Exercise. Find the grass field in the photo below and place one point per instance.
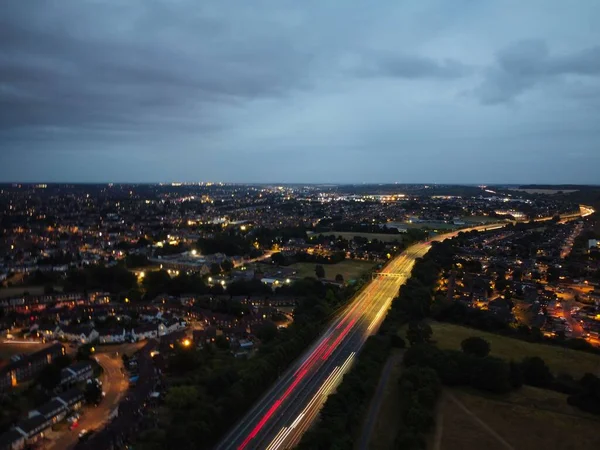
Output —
(560, 360)
(350, 269)
(530, 418)
(16, 291)
(384, 237)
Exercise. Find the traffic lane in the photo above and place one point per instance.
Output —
(294, 413)
(114, 384)
(302, 419)
(303, 410)
(297, 414)
(94, 417)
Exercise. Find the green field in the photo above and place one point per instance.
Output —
(350, 269)
(348, 235)
(526, 419)
(17, 291)
(560, 360)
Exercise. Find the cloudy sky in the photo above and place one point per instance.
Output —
(437, 91)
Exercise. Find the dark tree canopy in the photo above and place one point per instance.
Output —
(476, 346)
(319, 271)
(418, 332)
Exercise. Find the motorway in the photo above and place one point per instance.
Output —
(289, 408)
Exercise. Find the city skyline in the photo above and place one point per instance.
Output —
(281, 92)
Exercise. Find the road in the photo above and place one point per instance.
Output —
(114, 384)
(288, 409)
(263, 257)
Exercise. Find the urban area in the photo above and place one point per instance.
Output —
(211, 315)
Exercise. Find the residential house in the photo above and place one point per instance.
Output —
(80, 371)
(28, 367)
(53, 411)
(33, 429)
(83, 334)
(170, 326)
(144, 332)
(49, 331)
(72, 399)
(113, 336)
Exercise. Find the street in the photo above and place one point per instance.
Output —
(114, 384)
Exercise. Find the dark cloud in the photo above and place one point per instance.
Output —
(525, 64)
(412, 67)
(54, 74)
(156, 90)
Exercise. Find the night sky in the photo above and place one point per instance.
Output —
(460, 91)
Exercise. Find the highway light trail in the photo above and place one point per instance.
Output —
(313, 407)
(272, 410)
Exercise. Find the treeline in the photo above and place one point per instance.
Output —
(420, 389)
(113, 279)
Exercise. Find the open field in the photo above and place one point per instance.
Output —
(350, 269)
(384, 237)
(432, 226)
(16, 291)
(530, 418)
(560, 360)
(480, 219)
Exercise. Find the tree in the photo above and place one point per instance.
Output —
(536, 372)
(181, 397)
(49, 377)
(226, 265)
(516, 375)
(93, 392)
(397, 341)
(475, 346)
(215, 269)
(339, 278)
(419, 332)
(84, 352)
(319, 271)
(491, 374)
(222, 342)
(267, 332)
(278, 258)
(156, 282)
